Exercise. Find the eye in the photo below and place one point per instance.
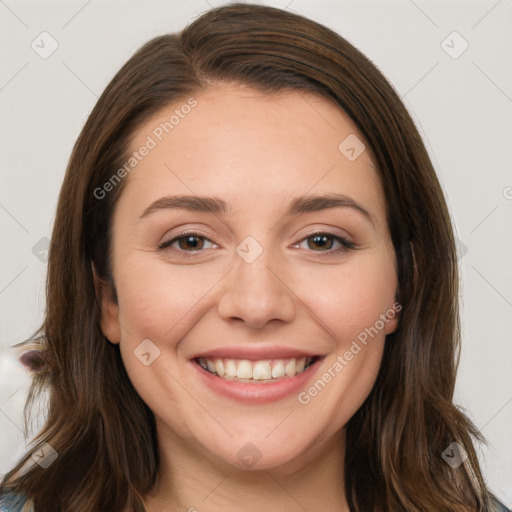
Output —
(326, 242)
(191, 242)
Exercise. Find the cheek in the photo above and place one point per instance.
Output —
(161, 301)
(350, 304)
(351, 299)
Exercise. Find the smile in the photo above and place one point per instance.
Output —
(245, 370)
(256, 380)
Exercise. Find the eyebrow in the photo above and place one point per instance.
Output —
(315, 203)
(192, 203)
(302, 204)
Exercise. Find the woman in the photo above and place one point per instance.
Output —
(252, 290)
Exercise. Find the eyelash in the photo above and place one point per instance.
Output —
(345, 244)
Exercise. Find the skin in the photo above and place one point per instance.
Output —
(257, 152)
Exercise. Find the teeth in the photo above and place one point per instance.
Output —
(278, 370)
(219, 367)
(261, 371)
(255, 370)
(244, 369)
(289, 369)
(300, 364)
(230, 367)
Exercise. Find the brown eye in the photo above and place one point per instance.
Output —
(321, 242)
(187, 243)
(191, 243)
(326, 242)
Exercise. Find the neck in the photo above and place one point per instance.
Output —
(191, 481)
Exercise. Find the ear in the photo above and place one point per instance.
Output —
(393, 312)
(392, 316)
(109, 310)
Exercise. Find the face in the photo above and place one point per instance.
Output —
(247, 243)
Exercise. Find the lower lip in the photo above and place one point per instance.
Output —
(258, 392)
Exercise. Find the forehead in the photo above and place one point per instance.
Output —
(241, 144)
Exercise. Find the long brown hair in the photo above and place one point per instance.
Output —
(103, 432)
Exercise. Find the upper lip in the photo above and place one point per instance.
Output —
(255, 352)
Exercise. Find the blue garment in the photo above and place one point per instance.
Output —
(501, 508)
(14, 503)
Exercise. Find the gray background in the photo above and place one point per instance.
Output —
(462, 103)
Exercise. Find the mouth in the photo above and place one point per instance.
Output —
(256, 371)
(256, 381)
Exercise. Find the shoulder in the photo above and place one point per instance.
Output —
(12, 502)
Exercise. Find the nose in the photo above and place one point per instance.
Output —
(256, 294)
